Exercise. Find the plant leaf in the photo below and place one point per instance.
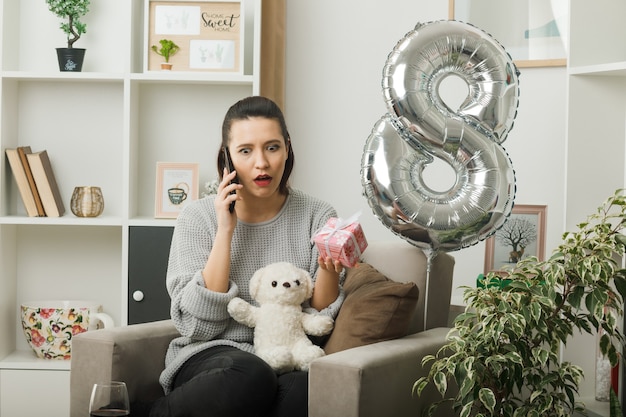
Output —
(419, 386)
(620, 284)
(488, 399)
(466, 410)
(440, 382)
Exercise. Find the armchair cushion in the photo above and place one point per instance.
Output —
(375, 309)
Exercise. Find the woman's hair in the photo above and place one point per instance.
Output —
(256, 106)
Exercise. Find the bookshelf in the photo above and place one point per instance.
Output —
(596, 132)
(106, 126)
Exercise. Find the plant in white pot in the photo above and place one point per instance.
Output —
(70, 11)
(503, 353)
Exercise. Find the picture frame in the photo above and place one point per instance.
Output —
(176, 186)
(210, 34)
(533, 32)
(521, 236)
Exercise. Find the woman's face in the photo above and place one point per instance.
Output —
(258, 152)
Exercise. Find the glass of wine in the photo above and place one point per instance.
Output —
(109, 399)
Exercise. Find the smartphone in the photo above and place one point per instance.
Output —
(228, 163)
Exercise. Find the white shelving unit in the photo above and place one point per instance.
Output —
(106, 126)
(596, 149)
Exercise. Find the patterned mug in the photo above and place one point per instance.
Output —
(49, 326)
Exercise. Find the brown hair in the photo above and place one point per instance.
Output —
(257, 106)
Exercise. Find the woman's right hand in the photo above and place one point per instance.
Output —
(217, 268)
(226, 194)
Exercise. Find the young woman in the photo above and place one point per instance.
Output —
(211, 369)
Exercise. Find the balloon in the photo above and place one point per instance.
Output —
(420, 127)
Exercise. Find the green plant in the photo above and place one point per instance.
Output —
(168, 48)
(503, 352)
(72, 10)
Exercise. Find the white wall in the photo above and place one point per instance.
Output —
(335, 54)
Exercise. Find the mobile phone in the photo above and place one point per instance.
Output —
(228, 163)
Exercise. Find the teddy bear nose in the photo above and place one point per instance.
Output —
(286, 285)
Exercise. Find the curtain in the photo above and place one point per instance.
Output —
(273, 50)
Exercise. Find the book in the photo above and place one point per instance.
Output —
(21, 179)
(22, 151)
(46, 183)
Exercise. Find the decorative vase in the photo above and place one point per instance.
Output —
(70, 59)
(603, 369)
(87, 201)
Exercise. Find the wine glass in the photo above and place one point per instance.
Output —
(109, 399)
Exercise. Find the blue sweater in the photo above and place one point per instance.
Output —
(200, 315)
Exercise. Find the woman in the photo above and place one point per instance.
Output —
(211, 369)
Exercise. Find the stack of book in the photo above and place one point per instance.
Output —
(36, 182)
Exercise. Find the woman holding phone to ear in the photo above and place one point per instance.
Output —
(211, 369)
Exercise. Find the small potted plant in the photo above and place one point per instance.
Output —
(70, 58)
(167, 49)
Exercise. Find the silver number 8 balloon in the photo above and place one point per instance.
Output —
(419, 127)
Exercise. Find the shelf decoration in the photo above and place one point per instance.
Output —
(87, 201)
(167, 48)
(25, 180)
(71, 11)
(46, 183)
(176, 186)
(532, 31)
(50, 325)
(209, 33)
(36, 182)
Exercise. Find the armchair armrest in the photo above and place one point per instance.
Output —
(134, 354)
(375, 380)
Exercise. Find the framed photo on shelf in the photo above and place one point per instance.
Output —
(176, 186)
(533, 32)
(521, 236)
(210, 34)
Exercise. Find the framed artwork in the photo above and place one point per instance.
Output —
(209, 34)
(533, 32)
(521, 236)
(176, 186)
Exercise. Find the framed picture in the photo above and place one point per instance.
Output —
(176, 186)
(209, 34)
(521, 236)
(533, 32)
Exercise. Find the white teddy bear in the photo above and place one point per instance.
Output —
(279, 322)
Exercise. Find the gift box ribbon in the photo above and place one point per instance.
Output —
(340, 224)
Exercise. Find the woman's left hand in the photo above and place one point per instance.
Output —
(327, 283)
(328, 264)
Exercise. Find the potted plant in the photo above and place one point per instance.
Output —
(70, 58)
(503, 352)
(167, 49)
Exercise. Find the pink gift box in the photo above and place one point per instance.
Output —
(341, 241)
